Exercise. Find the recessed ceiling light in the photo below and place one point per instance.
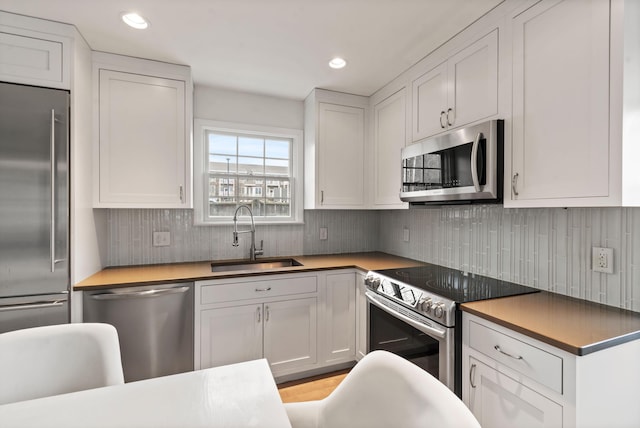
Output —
(134, 20)
(337, 63)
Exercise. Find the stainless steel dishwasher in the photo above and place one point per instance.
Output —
(154, 323)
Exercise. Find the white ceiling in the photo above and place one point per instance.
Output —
(274, 47)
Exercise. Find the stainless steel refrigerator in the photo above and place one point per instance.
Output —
(34, 206)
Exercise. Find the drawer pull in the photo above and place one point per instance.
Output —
(263, 289)
(497, 348)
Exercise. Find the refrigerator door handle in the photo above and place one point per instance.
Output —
(52, 237)
(36, 305)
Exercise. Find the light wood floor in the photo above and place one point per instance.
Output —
(314, 388)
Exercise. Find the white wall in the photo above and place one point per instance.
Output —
(242, 107)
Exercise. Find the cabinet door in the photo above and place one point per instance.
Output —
(290, 334)
(389, 136)
(361, 318)
(473, 82)
(230, 335)
(32, 60)
(498, 401)
(429, 94)
(340, 155)
(143, 148)
(340, 318)
(561, 102)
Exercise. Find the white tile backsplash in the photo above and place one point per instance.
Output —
(546, 248)
(131, 233)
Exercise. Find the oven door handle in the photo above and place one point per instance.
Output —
(431, 331)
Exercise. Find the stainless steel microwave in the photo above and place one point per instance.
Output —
(461, 166)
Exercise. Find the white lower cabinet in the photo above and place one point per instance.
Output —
(339, 318)
(500, 401)
(230, 335)
(273, 317)
(290, 341)
(513, 380)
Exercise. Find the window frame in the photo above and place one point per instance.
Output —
(201, 173)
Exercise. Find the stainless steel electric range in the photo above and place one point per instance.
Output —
(414, 312)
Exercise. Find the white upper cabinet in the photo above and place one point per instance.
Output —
(335, 136)
(389, 137)
(461, 90)
(560, 145)
(575, 101)
(143, 137)
(35, 52)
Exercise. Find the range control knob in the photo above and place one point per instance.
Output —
(425, 305)
(372, 281)
(438, 310)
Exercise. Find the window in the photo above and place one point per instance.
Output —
(247, 165)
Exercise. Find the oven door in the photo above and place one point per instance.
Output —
(425, 343)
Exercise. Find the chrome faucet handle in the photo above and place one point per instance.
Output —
(235, 239)
(259, 251)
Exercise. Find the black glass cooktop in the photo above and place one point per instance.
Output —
(456, 285)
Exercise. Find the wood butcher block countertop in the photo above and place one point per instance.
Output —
(195, 271)
(577, 326)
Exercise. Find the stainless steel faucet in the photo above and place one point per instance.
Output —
(253, 252)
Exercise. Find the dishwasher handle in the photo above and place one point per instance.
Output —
(145, 293)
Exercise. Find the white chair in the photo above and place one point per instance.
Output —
(43, 361)
(384, 390)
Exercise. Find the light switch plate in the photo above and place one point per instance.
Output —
(602, 260)
(161, 239)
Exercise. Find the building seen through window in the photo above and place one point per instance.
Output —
(251, 170)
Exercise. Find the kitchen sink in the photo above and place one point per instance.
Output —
(253, 265)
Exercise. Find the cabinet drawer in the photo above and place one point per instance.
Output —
(260, 289)
(538, 365)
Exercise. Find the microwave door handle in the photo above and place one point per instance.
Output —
(474, 162)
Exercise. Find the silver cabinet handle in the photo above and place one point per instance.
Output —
(36, 305)
(263, 289)
(450, 122)
(258, 314)
(474, 161)
(266, 313)
(52, 237)
(322, 197)
(472, 375)
(497, 348)
(442, 125)
(514, 183)
(145, 293)
(181, 194)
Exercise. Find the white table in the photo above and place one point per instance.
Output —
(233, 396)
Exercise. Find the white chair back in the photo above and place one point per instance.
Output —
(43, 361)
(384, 390)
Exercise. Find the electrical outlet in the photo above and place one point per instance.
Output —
(324, 233)
(602, 260)
(161, 239)
(405, 234)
